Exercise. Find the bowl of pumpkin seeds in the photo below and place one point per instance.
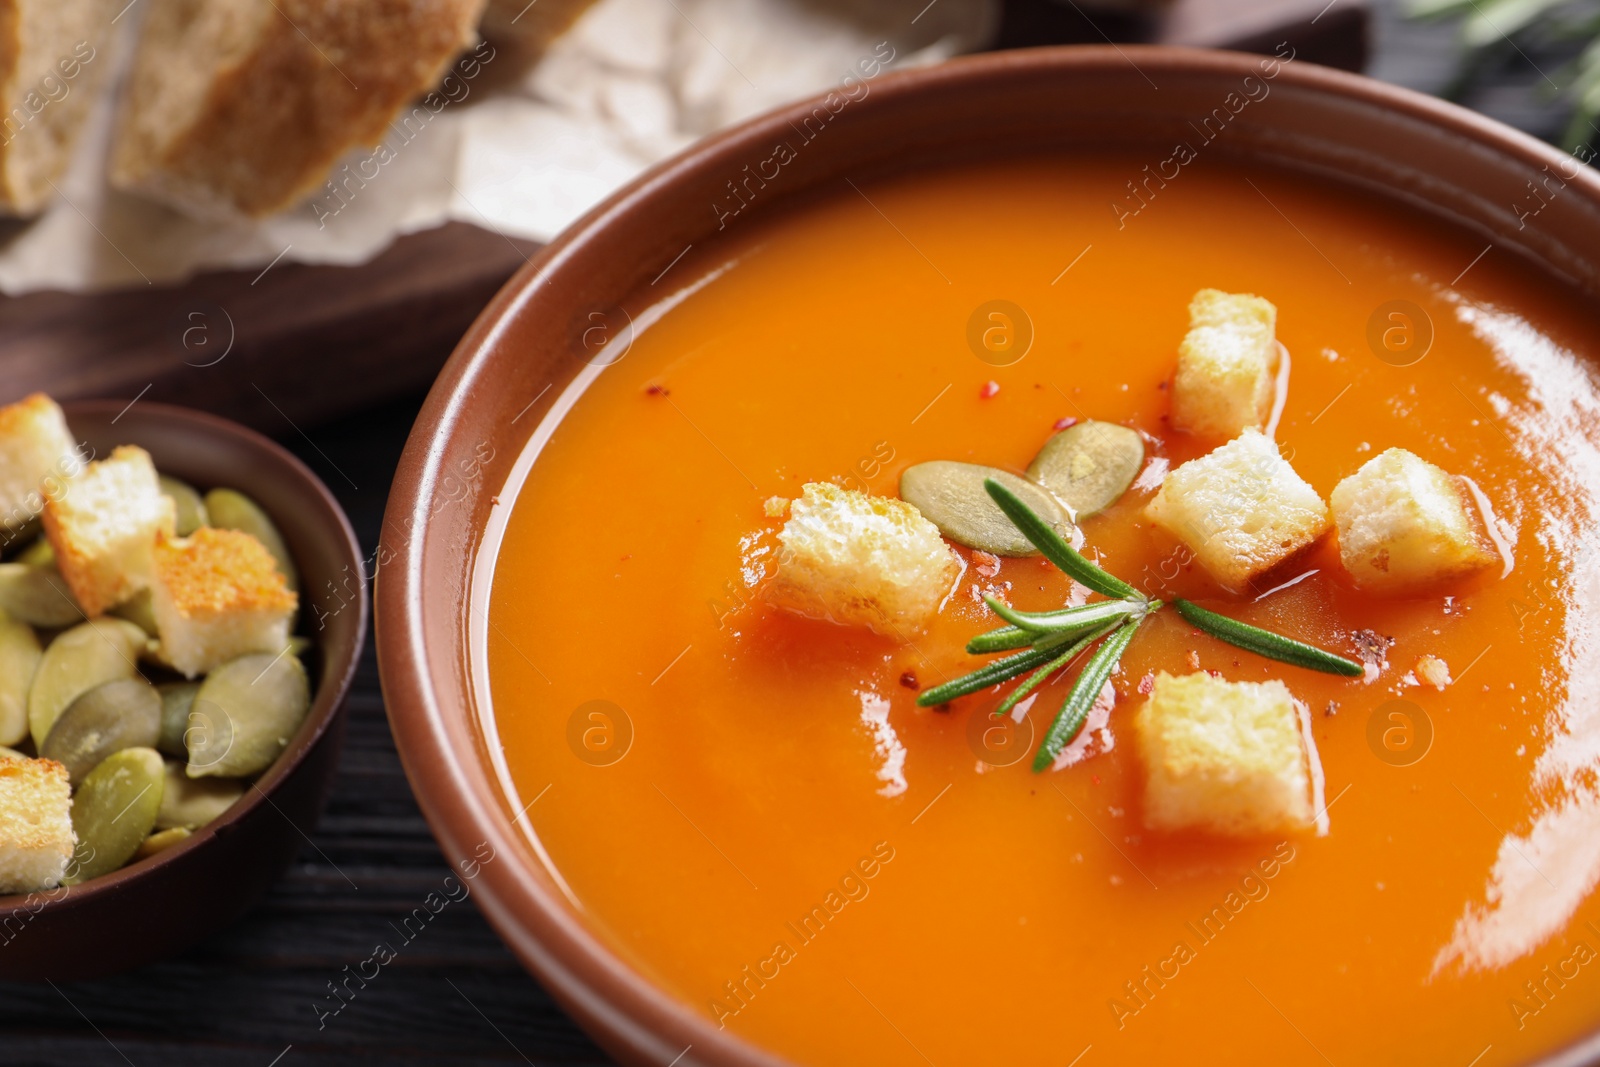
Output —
(182, 606)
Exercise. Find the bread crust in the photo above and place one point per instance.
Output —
(320, 78)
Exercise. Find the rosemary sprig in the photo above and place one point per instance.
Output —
(1037, 677)
(1052, 639)
(1083, 618)
(1055, 548)
(994, 673)
(1075, 709)
(1266, 643)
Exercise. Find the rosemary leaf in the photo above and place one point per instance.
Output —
(1075, 709)
(1001, 639)
(993, 673)
(1082, 618)
(1266, 643)
(1055, 549)
(1037, 678)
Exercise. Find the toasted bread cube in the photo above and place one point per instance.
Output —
(1404, 523)
(217, 595)
(1242, 509)
(1227, 365)
(861, 560)
(1228, 758)
(36, 836)
(35, 446)
(103, 525)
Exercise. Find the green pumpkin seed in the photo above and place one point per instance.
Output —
(122, 714)
(39, 553)
(176, 700)
(186, 501)
(952, 497)
(193, 802)
(138, 610)
(11, 753)
(88, 655)
(245, 713)
(232, 510)
(37, 596)
(1089, 466)
(113, 812)
(162, 840)
(19, 660)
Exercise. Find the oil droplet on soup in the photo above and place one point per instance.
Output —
(792, 848)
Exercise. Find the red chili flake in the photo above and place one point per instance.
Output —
(1214, 674)
(1162, 385)
(1332, 708)
(909, 680)
(1095, 778)
(1147, 684)
(1062, 424)
(627, 557)
(659, 390)
(943, 709)
(985, 563)
(990, 388)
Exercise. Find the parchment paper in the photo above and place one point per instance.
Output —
(522, 150)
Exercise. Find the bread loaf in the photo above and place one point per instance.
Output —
(52, 63)
(240, 107)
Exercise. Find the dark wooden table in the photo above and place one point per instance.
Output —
(255, 995)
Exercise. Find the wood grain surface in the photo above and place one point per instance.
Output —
(258, 994)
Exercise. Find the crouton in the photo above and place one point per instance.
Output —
(35, 445)
(1242, 509)
(1431, 670)
(1404, 523)
(103, 525)
(861, 560)
(1227, 365)
(217, 595)
(36, 837)
(1228, 758)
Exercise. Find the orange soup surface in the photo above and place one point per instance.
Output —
(753, 811)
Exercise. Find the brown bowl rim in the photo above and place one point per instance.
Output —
(332, 689)
(628, 1015)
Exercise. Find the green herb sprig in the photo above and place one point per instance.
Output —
(1051, 640)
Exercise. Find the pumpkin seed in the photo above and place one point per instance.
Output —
(951, 496)
(193, 802)
(122, 714)
(162, 840)
(113, 812)
(19, 659)
(90, 654)
(139, 610)
(176, 700)
(39, 553)
(11, 753)
(1089, 466)
(38, 596)
(230, 509)
(186, 501)
(245, 713)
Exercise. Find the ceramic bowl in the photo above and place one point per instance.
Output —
(159, 906)
(512, 367)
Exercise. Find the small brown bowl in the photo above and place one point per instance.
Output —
(159, 906)
(512, 368)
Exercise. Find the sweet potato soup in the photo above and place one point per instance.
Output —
(753, 809)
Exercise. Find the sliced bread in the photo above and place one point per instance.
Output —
(240, 108)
